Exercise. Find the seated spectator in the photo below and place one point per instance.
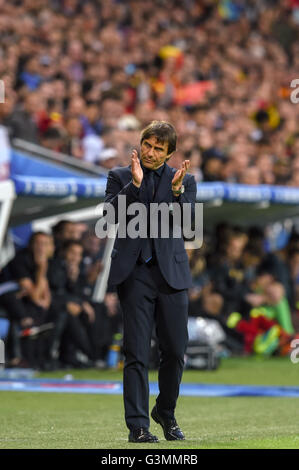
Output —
(92, 256)
(269, 296)
(65, 230)
(88, 328)
(228, 275)
(32, 304)
(251, 258)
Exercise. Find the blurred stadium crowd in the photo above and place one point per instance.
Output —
(55, 276)
(83, 77)
(250, 292)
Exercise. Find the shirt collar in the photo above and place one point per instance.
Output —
(158, 172)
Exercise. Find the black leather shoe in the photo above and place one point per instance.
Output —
(142, 435)
(171, 430)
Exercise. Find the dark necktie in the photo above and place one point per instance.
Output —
(147, 243)
(150, 183)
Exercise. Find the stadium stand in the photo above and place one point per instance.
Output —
(82, 78)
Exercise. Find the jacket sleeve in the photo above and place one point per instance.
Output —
(188, 197)
(114, 188)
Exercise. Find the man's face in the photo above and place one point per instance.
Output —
(32, 103)
(264, 280)
(153, 153)
(92, 244)
(70, 232)
(235, 248)
(74, 255)
(43, 246)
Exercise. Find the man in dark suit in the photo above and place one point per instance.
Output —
(152, 277)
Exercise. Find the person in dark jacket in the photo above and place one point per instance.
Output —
(88, 327)
(152, 278)
(32, 304)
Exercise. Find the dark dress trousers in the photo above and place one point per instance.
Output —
(152, 293)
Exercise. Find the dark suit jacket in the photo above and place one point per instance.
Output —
(171, 254)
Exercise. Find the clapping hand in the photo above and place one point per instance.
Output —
(137, 172)
(179, 176)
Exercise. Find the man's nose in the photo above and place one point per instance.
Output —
(150, 153)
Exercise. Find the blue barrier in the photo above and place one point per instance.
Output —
(4, 326)
(95, 188)
(33, 177)
(115, 388)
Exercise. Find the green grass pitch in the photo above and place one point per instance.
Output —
(79, 421)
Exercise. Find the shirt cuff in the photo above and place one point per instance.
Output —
(176, 198)
(133, 189)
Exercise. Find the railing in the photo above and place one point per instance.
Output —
(57, 157)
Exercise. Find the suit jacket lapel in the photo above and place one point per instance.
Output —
(163, 192)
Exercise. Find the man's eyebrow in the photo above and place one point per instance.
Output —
(155, 146)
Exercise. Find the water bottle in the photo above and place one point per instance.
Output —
(113, 355)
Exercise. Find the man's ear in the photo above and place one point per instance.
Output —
(169, 156)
